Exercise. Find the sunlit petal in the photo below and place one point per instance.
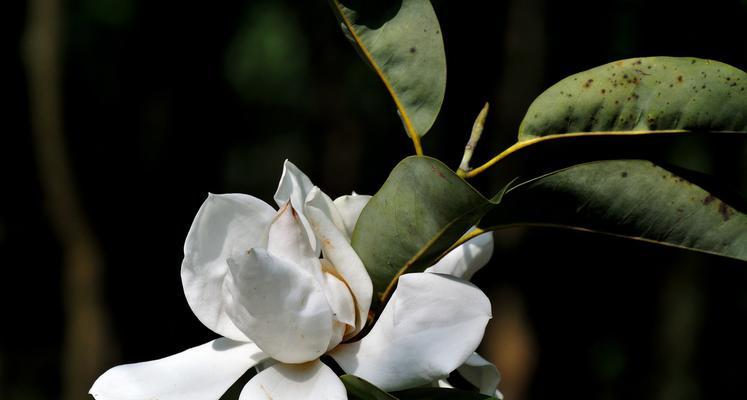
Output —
(294, 186)
(430, 326)
(350, 208)
(225, 225)
(319, 200)
(201, 373)
(280, 306)
(340, 254)
(312, 381)
(466, 259)
(289, 242)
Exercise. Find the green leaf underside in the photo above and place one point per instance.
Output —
(642, 94)
(360, 389)
(419, 212)
(402, 42)
(553, 153)
(629, 198)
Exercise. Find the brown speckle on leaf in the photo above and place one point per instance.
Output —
(709, 199)
(725, 211)
(438, 172)
(588, 83)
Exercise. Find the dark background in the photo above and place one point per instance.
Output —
(164, 101)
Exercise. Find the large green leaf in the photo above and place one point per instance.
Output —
(402, 42)
(636, 108)
(642, 94)
(419, 212)
(630, 198)
(439, 394)
(360, 389)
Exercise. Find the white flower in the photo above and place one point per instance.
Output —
(463, 262)
(285, 287)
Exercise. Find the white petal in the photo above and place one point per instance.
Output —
(201, 373)
(466, 259)
(289, 242)
(225, 225)
(280, 306)
(339, 297)
(340, 254)
(313, 381)
(319, 200)
(350, 208)
(294, 186)
(430, 326)
(481, 373)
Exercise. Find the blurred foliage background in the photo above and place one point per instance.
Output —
(155, 103)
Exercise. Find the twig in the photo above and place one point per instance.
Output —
(474, 137)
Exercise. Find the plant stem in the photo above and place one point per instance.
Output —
(416, 142)
(563, 136)
(474, 137)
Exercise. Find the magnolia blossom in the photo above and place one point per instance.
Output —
(284, 287)
(463, 262)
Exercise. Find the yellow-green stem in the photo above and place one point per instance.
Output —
(526, 143)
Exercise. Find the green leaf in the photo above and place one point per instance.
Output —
(632, 109)
(642, 94)
(360, 389)
(401, 40)
(419, 212)
(629, 198)
(439, 394)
